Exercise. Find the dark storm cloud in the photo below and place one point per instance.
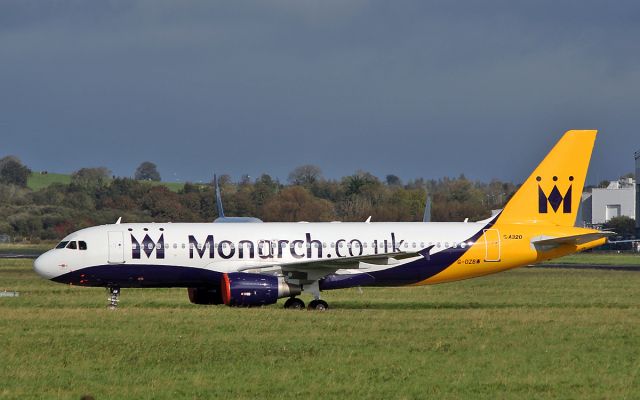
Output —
(415, 88)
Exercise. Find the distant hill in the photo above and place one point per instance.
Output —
(39, 180)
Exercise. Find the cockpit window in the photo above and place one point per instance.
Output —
(72, 246)
(82, 245)
(62, 245)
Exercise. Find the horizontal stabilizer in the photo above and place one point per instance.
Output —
(624, 241)
(575, 240)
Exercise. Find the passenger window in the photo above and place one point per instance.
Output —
(62, 245)
(82, 245)
(72, 246)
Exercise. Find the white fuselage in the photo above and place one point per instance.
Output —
(248, 246)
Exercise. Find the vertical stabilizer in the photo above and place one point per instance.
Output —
(427, 210)
(551, 195)
(218, 197)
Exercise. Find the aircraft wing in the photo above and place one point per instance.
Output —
(571, 240)
(339, 263)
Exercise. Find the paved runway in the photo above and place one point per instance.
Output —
(12, 255)
(632, 268)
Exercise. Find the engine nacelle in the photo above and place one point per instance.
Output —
(244, 289)
(204, 295)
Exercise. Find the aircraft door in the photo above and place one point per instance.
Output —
(492, 245)
(116, 247)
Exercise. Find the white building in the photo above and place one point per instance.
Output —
(616, 200)
(637, 157)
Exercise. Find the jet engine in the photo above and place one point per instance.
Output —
(205, 295)
(245, 289)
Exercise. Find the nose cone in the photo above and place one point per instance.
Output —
(44, 265)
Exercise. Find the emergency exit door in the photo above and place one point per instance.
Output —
(492, 245)
(116, 247)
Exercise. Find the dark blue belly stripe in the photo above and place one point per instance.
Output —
(405, 274)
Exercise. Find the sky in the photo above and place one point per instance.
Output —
(412, 88)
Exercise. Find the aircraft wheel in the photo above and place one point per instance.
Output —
(318, 305)
(294, 303)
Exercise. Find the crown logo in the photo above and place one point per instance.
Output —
(555, 198)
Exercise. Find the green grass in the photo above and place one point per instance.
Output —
(599, 259)
(528, 333)
(37, 181)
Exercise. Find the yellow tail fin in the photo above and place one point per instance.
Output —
(551, 195)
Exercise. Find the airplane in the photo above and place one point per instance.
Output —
(257, 263)
(221, 217)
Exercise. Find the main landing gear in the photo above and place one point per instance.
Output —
(319, 305)
(114, 297)
(295, 303)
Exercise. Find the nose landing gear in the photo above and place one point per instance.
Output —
(114, 294)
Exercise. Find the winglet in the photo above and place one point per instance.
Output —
(118, 221)
(426, 252)
(368, 220)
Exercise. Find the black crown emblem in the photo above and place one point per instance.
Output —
(148, 246)
(555, 198)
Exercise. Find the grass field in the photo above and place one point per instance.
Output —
(528, 333)
(37, 181)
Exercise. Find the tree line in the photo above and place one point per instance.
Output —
(96, 197)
